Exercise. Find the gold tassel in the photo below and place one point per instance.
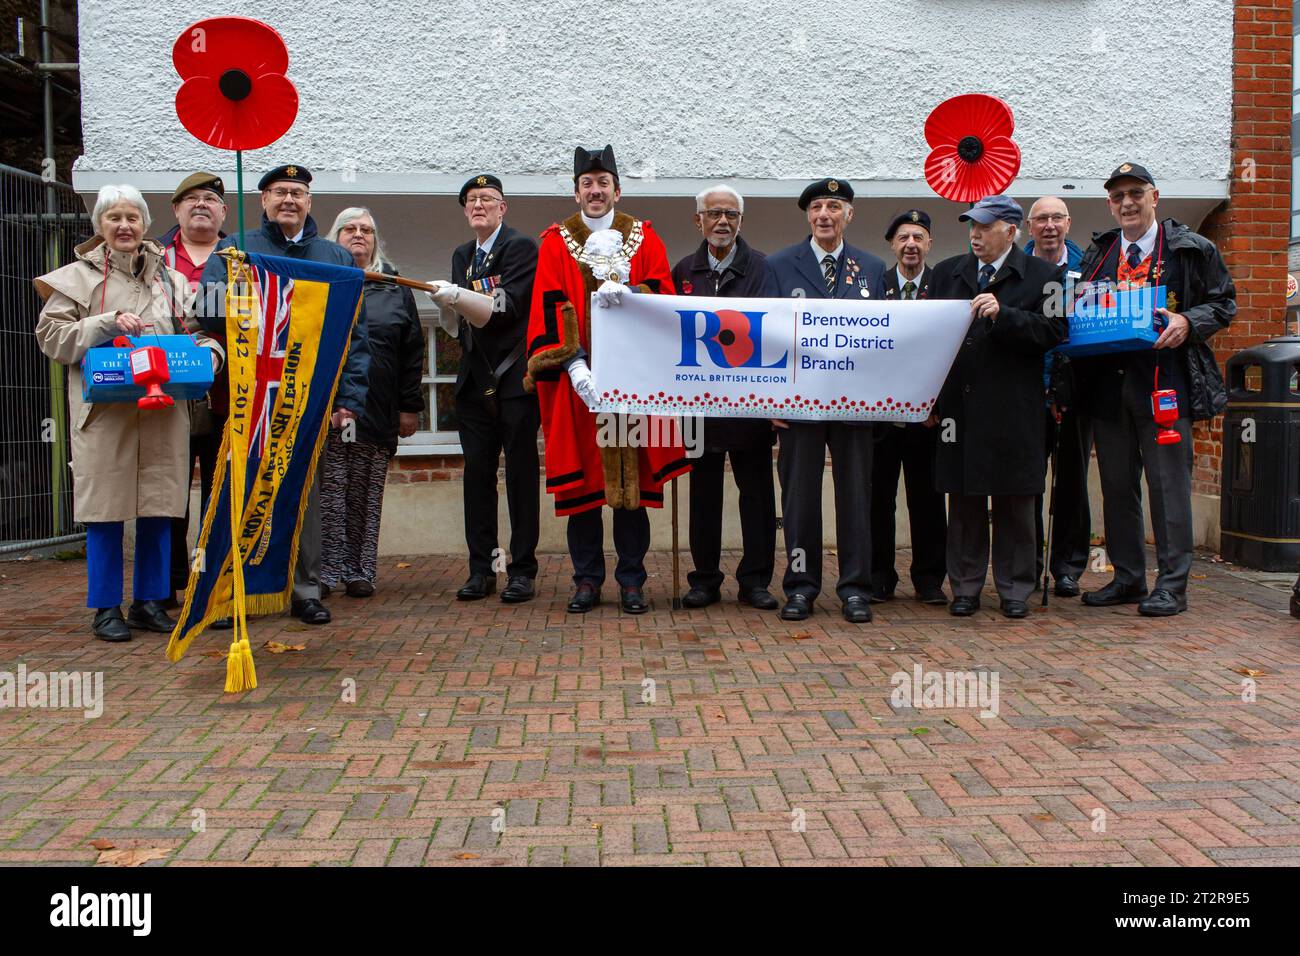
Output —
(234, 673)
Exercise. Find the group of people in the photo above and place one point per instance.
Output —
(520, 311)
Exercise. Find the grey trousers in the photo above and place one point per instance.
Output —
(306, 570)
(800, 463)
(1015, 545)
(1125, 449)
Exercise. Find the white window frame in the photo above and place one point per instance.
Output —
(432, 442)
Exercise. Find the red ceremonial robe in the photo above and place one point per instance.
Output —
(579, 473)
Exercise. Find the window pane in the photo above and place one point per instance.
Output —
(448, 361)
(446, 398)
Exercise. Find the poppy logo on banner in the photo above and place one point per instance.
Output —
(731, 339)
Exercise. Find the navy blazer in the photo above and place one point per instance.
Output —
(796, 268)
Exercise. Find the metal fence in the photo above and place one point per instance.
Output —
(40, 223)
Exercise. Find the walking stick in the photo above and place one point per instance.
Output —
(677, 569)
(1051, 505)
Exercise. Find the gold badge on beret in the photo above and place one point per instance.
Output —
(916, 216)
(291, 170)
(833, 186)
(481, 181)
(1127, 167)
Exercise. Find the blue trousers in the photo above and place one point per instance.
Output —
(104, 561)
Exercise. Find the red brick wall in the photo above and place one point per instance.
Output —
(407, 469)
(1253, 227)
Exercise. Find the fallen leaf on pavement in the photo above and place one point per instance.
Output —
(275, 647)
(1044, 817)
(950, 722)
(215, 655)
(102, 844)
(1248, 672)
(406, 564)
(802, 636)
(132, 856)
(920, 730)
(465, 856)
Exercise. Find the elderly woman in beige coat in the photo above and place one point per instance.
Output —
(128, 464)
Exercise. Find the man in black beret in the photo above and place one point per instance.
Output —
(908, 448)
(289, 230)
(485, 306)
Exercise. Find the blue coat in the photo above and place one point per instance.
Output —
(210, 306)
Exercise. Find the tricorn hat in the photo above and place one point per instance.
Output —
(585, 161)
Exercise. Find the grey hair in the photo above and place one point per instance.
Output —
(719, 188)
(111, 195)
(378, 258)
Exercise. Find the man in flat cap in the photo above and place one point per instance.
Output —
(990, 409)
(908, 447)
(289, 230)
(485, 307)
(1115, 389)
(199, 205)
(824, 266)
(596, 250)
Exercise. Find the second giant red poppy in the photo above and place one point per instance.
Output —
(971, 152)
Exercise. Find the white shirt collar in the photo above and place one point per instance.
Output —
(491, 240)
(298, 238)
(904, 280)
(997, 263)
(717, 265)
(595, 225)
(820, 254)
(1145, 244)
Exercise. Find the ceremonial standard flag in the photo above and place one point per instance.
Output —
(288, 324)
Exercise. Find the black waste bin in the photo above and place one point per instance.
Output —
(1259, 511)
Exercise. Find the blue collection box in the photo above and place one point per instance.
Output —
(1109, 320)
(106, 370)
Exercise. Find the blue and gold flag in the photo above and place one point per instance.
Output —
(288, 325)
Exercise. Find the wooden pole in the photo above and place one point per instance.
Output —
(400, 280)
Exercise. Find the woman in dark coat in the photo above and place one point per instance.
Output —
(356, 458)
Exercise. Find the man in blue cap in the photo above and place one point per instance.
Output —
(989, 413)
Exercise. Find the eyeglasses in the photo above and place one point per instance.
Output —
(279, 192)
(713, 215)
(193, 200)
(1135, 193)
(1055, 218)
(354, 227)
(485, 201)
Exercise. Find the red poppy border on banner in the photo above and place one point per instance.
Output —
(843, 407)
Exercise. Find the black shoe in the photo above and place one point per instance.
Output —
(173, 603)
(931, 594)
(1066, 586)
(109, 626)
(857, 610)
(1014, 608)
(149, 616)
(585, 598)
(326, 590)
(1161, 603)
(797, 608)
(880, 595)
(1295, 603)
(310, 611)
(1115, 593)
(223, 624)
(518, 590)
(632, 601)
(964, 606)
(759, 598)
(360, 588)
(698, 597)
(477, 588)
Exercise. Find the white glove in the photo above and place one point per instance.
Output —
(442, 296)
(611, 293)
(580, 376)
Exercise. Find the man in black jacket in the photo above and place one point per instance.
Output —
(726, 265)
(990, 409)
(486, 307)
(1115, 390)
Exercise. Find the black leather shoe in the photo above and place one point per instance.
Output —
(223, 624)
(880, 596)
(149, 616)
(1115, 593)
(1295, 603)
(360, 588)
(584, 598)
(1066, 586)
(173, 603)
(759, 598)
(698, 597)
(857, 610)
(1014, 608)
(310, 611)
(109, 626)
(1161, 603)
(931, 594)
(325, 590)
(797, 608)
(632, 601)
(477, 588)
(518, 590)
(964, 606)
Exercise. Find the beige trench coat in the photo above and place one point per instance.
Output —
(126, 462)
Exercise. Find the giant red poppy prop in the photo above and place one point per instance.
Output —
(235, 94)
(971, 152)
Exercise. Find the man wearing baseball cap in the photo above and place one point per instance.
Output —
(1115, 390)
(990, 409)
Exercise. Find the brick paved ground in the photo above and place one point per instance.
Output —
(467, 709)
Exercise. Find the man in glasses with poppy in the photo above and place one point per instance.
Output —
(289, 230)
(485, 306)
(726, 265)
(1116, 389)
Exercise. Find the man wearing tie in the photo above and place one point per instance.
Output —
(908, 448)
(824, 266)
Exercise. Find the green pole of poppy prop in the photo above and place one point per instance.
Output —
(234, 94)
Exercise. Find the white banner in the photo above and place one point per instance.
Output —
(878, 360)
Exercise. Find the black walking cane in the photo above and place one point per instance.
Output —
(1051, 504)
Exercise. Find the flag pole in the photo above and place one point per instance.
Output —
(239, 195)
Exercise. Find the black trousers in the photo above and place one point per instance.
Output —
(483, 438)
(751, 468)
(631, 542)
(205, 448)
(910, 449)
(801, 462)
(1072, 531)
